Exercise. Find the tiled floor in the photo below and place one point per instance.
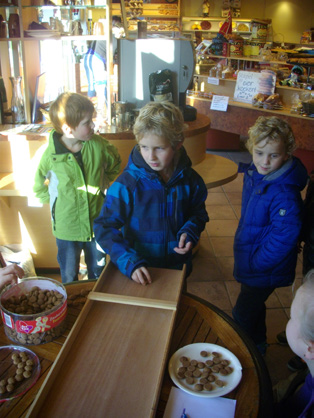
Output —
(212, 277)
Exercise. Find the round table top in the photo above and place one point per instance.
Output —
(216, 170)
(196, 321)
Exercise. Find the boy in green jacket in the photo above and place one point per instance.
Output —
(74, 171)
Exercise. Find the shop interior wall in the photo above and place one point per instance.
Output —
(289, 18)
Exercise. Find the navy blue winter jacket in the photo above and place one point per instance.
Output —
(143, 218)
(265, 244)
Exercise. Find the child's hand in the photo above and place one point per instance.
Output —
(141, 276)
(183, 247)
(9, 274)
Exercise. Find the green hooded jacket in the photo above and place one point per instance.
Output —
(75, 197)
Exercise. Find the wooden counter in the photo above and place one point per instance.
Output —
(239, 117)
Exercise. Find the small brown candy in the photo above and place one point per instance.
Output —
(210, 363)
(190, 380)
(201, 365)
(229, 369)
(215, 369)
(186, 364)
(194, 362)
(191, 368)
(181, 375)
(197, 373)
(198, 387)
(220, 383)
(215, 354)
(204, 353)
(211, 378)
(203, 380)
(217, 360)
(223, 372)
(183, 359)
(225, 362)
(208, 386)
(188, 374)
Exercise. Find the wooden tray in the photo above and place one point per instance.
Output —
(114, 358)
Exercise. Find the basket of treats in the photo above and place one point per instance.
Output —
(34, 311)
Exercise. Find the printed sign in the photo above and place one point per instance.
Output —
(219, 103)
(250, 83)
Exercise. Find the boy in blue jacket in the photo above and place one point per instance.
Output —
(154, 212)
(266, 240)
(74, 170)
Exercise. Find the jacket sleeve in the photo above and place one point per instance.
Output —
(108, 229)
(40, 187)
(113, 161)
(198, 215)
(281, 238)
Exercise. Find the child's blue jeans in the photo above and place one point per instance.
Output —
(250, 311)
(69, 253)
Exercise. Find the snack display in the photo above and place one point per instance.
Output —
(242, 27)
(205, 370)
(273, 102)
(19, 371)
(205, 25)
(34, 311)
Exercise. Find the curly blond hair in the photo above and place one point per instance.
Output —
(160, 118)
(271, 129)
(69, 108)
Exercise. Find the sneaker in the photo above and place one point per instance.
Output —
(296, 364)
(281, 338)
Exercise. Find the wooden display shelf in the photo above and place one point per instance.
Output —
(284, 111)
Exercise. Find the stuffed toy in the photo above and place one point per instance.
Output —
(294, 78)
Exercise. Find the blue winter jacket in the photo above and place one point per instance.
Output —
(142, 217)
(265, 244)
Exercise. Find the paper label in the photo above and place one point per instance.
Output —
(40, 324)
(219, 103)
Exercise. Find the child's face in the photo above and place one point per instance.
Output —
(269, 156)
(296, 342)
(85, 129)
(157, 152)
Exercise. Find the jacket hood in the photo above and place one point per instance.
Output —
(136, 162)
(292, 173)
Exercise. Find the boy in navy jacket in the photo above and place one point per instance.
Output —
(154, 212)
(266, 241)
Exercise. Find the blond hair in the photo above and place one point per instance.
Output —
(163, 119)
(71, 109)
(271, 129)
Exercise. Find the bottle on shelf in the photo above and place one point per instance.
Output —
(17, 102)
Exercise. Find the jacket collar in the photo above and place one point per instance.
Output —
(182, 162)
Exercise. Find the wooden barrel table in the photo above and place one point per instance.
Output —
(196, 321)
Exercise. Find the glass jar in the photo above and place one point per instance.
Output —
(17, 102)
